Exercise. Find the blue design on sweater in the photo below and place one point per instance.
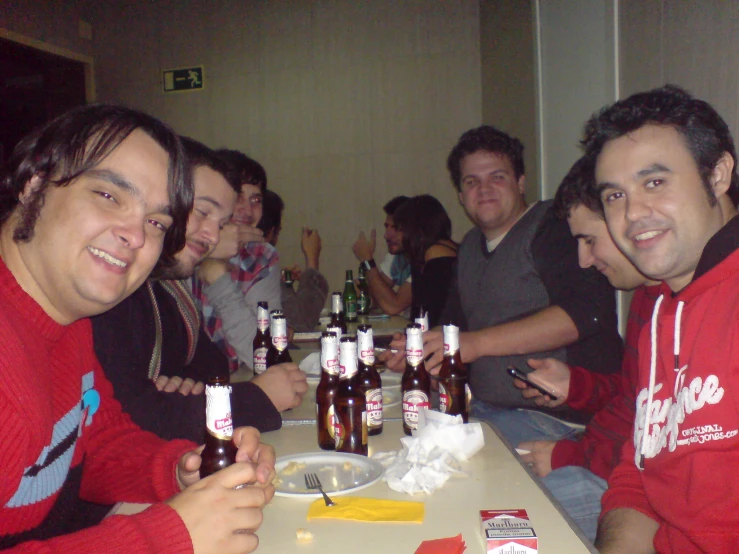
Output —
(48, 474)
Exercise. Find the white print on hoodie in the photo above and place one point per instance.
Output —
(667, 415)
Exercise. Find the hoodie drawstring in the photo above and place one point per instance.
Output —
(653, 368)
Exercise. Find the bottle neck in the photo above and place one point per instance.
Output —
(218, 411)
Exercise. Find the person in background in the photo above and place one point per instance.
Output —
(243, 270)
(519, 294)
(428, 246)
(390, 282)
(302, 307)
(90, 203)
(153, 348)
(575, 470)
(664, 164)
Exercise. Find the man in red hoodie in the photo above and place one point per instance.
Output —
(89, 204)
(575, 471)
(665, 162)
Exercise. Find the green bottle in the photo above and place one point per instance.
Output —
(364, 300)
(350, 297)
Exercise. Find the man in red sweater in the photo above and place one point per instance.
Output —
(665, 168)
(89, 204)
(575, 471)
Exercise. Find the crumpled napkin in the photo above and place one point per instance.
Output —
(451, 545)
(311, 364)
(368, 509)
(432, 454)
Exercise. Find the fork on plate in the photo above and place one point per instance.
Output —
(313, 482)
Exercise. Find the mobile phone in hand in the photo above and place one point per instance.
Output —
(518, 374)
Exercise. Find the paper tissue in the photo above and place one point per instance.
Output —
(432, 454)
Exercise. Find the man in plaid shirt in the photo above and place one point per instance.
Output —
(243, 270)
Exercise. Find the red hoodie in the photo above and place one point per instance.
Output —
(689, 483)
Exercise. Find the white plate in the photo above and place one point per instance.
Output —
(391, 396)
(339, 473)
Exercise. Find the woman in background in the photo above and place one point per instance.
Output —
(428, 246)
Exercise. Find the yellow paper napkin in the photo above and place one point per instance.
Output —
(368, 509)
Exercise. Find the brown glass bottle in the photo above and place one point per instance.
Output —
(326, 391)
(350, 403)
(416, 383)
(369, 379)
(219, 451)
(350, 298)
(262, 339)
(337, 312)
(454, 392)
(278, 353)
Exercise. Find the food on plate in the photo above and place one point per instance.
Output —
(292, 468)
(303, 535)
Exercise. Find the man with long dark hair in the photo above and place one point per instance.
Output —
(88, 205)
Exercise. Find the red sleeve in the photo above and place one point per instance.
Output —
(124, 463)
(589, 391)
(157, 529)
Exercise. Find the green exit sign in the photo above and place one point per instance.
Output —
(176, 80)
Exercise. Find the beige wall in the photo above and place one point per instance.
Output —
(508, 68)
(347, 104)
(692, 44)
(54, 22)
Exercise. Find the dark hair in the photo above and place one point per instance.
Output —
(392, 206)
(272, 207)
(77, 141)
(578, 188)
(244, 169)
(706, 134)
(423, 222)
(484, 139)
(199, 155)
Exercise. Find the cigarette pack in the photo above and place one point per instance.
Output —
(508, 532)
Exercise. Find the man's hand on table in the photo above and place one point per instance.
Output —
(539, 458)
(552, 375)
(284, 384)
(213, 510)
(177, 384)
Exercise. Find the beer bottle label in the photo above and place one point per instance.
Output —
(413, 401)
(330, 355)
(260, 360)
(218, 411)
(262, 319)
(348, 359)
(365, 346)
(339, 434)
(279, 334)
(423, 321)
(374, 408)
(445, 399)
(451, 339)
(414, 347)
(467, 397)
(351, 309)
(332, 423)
(336, 303)
(362, 302)
(365, 432)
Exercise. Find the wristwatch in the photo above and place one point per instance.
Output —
(368, 264)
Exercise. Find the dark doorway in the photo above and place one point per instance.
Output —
(35, 87)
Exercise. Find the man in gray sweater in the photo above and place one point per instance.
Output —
(519, 292)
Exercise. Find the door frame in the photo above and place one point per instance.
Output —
(87, 61)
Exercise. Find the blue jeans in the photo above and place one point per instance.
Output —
(519, 426)
(579, 491)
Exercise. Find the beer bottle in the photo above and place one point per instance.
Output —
(262, 339)
(369, 379)
(326, 390)
(364, 300)
(277, 353)
(415, 384)
(219, 451)
(350, 298)
(422, 318)
(350, 404)
(287, 278)
(337, 312)
(454, 392)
